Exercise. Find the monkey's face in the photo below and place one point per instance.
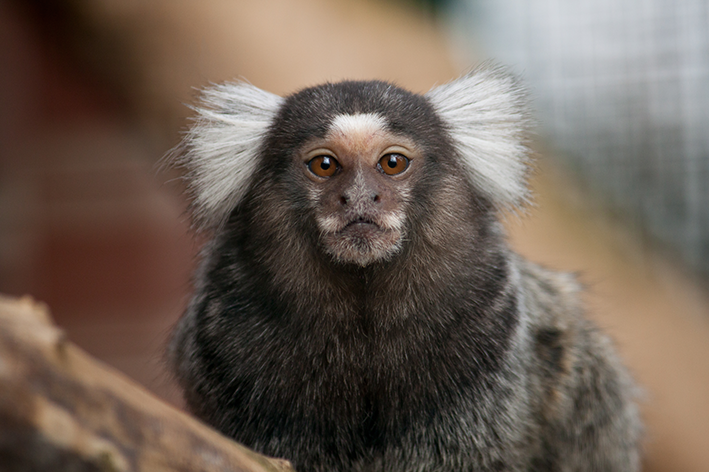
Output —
(359, 178)
(360, 168)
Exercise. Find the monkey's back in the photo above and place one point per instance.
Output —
(587, 411)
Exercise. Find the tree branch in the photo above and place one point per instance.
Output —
(62, 410)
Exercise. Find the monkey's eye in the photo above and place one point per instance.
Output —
(323, 166)
(394, 163)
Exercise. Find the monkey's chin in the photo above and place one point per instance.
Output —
(362, 244)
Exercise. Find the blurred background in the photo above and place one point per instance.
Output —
(93, 94)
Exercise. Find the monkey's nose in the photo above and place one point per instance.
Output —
(368, 197)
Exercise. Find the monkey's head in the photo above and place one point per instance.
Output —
(349, 163)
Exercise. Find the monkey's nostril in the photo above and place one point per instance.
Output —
(343, 200)
(375, 198)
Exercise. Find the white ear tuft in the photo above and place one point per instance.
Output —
(220, 151)
(487, 117)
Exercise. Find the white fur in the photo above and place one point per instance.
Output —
(222, 147)
(330, 223)
(357, 124)
(486, 114)
(393, 220)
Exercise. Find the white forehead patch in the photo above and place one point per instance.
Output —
(357, 124)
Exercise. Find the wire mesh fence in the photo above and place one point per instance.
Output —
(622, 90)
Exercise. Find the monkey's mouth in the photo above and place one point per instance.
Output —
(363, 223)
(361, 239)
(362, 229)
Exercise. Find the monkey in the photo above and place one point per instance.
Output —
(357, 306)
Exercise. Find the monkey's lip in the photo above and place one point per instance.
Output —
(361, 222)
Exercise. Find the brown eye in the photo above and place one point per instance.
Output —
(323, 166)
(393, 164)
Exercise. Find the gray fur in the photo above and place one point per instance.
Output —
(444, 351)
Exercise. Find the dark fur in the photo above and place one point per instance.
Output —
(452, 355)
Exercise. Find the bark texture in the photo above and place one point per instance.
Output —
(62, 410)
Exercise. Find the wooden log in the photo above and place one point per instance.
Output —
(61, 410)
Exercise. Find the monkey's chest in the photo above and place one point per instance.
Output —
(363, 404)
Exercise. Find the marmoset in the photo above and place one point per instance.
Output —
(357, 307)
